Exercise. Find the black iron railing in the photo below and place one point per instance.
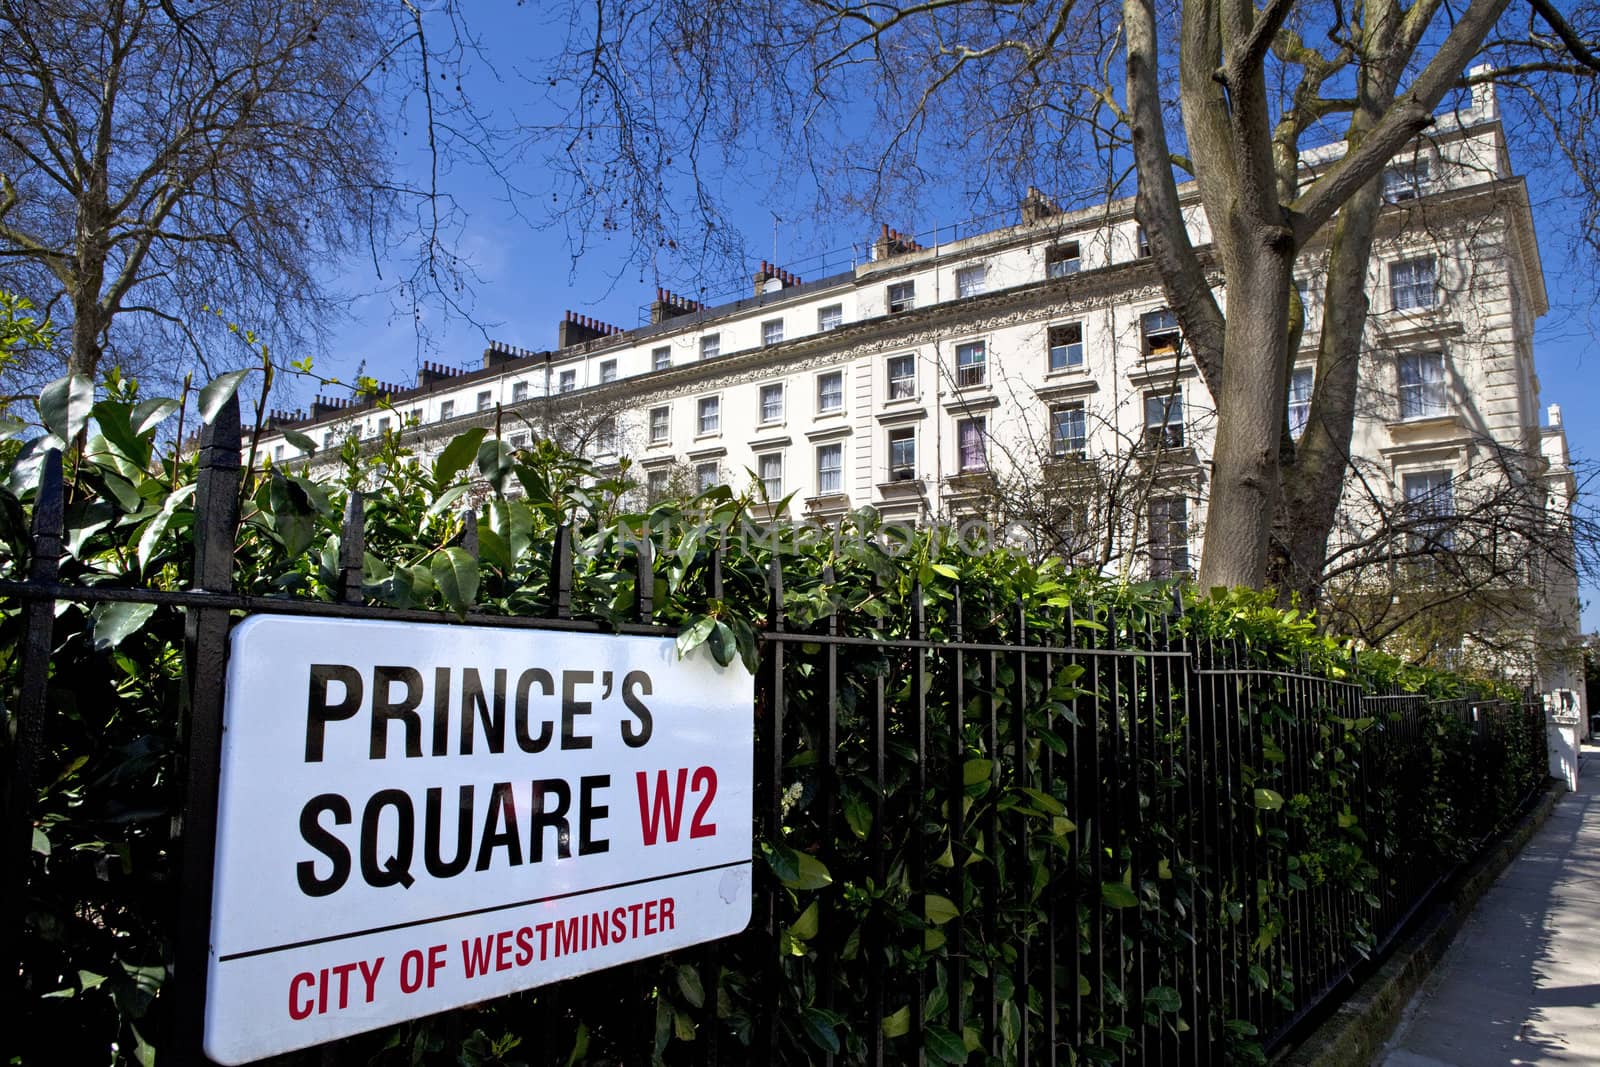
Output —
(1040, 841)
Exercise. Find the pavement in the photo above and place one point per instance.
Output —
(1520, 984)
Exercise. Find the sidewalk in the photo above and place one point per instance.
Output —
(1521, 982)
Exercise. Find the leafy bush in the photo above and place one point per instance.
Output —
(1085, 793)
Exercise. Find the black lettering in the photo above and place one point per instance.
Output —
(319, 712)
(571, 708)
(433, 829)
(633, 685)
(325, 842)
(385, 710)
(441, 711)
(547, 686)
(472, 696)
(396, 867)
(589, 811)
(502, 800)
(546, 817)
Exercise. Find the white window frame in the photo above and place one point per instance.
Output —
(661, 358)
(830, 317)
(447, 410)
(704, 406)
(1168, 555)
(1414, 283)
(1169, 432)
(1408, 180)
(1422, 385)
(822, 377)
(567, 381)
(519, 392)
(1300, 399)
(972, 373)
(665, 410)
(908, 436)
(972, 280)
(772, 486)
(980, 423)
(901, 296)
(1061, 445)
(608, 371)
(707, 467)
(1057, 262)
(832, 448)
(764, 417)
(901, 386)
(772, 332)
(1071, 351)
(711, 346)
(1429, 497)
(485, 399)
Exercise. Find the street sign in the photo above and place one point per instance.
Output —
(415, 817)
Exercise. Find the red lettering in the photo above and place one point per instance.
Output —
(475, 955)
(667, 922)
(435, 962)
(297, 1011)
(665, 808)
(524, 947)
(371, 977)
(502, 951)
(411, 971)
(322, 994)
(699, 827)
(633, 914)
(566, 936)
(649, 917)
(619, 929)
(544, 940)
(343, 971)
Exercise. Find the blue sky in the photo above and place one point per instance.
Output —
(527, 277)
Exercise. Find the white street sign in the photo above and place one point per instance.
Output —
(415, 817)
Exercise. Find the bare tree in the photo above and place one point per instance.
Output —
(157, 159)
(991, 94)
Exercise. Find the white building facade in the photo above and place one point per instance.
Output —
(1036, 356)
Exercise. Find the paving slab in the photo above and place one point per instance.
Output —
(1521, 982)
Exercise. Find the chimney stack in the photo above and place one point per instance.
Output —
(771, 278)
(1037, 206)
(576, 329)
(432, 373)
(892, 242)
(669, 305)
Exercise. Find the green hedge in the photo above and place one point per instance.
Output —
(99, 925)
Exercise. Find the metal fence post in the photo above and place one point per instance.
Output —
(205, 647)
(38, 624)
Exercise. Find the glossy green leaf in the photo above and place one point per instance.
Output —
(939, 910)
(1117, 895)
(64, 405)
(116, 621)
(805, 927)
(1268, 799)
(898, 1023)
(1164, 998)
(688, 979)
(217, 392)
(976, 770)
(455, 576)
(456, 457)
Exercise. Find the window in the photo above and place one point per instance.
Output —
(519, 392)
(772, 331)
(707, 476)
(711, 346)
(903, 453)
(1411, 284)
(1068, 430)
(660, 358)
(970, 364)
(1143, 240)
(608, 370)
(970, 441)
(519, 440)
(970, 281)
(655, 485)
(383, 426)
(327, 439)
(710, 412)
(902, 297)
(1169, 536)
(1406, 181)
(830, 318)
(830, 469)
(567, 382)
(277, 453)
(605, 435)
(830, 392)
(1430, 505)
(447, 409)
(415, 418)
(485, 400)
(1422, 385)
(1061, 260)
(1160, 332)
(769, 468)
(772, 403)
(902, 377)
(1299, 401)
(660, 424)
(1163, 420)
(1066, 346)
